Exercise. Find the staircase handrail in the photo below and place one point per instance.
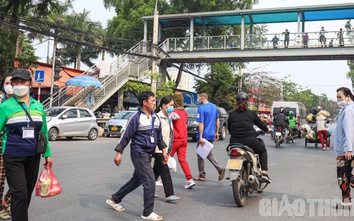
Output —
(61, 93)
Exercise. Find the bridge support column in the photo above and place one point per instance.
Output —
(242, 32)
(120, 99)
(191, 45)
(145, 37)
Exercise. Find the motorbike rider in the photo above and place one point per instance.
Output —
(280, 121)
(292, 123)
(240, 126)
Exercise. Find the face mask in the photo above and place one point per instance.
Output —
(20, 90)
(169, 109)
(198, 101)
(342, 103)
(8, 89)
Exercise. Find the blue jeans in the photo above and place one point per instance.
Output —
(143, 175)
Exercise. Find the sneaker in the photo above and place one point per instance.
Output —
(115, 206)
(323, 148)
(190, 184)
(158, 182)
(266, 178)
(328, 148)
(347, 202)
(171, 199)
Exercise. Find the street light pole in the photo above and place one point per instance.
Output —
(154, 50)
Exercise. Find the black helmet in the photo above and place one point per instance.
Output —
(242, 96)
(281, 110)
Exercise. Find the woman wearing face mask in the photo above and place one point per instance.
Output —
(160, 169)
(21, 160)
(5, 210)
(6, 84)
(344, 142)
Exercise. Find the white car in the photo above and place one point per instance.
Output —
(71, 122)
(117, 124)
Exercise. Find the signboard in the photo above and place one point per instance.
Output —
(39, 76)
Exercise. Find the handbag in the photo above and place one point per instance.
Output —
(41, 138)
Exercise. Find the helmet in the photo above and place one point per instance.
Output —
(242, 96)
(291, 113)
(281, 110)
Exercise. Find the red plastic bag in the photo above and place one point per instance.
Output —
(47, 185)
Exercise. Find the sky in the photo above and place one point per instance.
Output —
(319, 76)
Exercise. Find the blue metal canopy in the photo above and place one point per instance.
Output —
(258, 16)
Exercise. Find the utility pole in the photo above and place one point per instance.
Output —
(154, 50)
(239, 89)
(281, 91)
(52, 80)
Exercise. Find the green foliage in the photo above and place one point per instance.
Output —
(219, 81)
(165, 89)
(349, 33)
(27, 56)
(7, 51)
(135, 87)
(90, 32)
(11, 11)
(128, 24)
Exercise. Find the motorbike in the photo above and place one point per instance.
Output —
(245, 171)
(292, 135)
(279, 136)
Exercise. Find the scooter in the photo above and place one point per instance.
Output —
(292, 135)
(279, 136)
(245, 171)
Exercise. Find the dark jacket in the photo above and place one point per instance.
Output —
(280, 120)
(240, 124)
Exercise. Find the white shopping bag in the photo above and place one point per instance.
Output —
(172, 164)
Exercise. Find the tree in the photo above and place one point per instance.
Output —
(135, 87)
(219, 81)
(11, 11)
(350, 34)
(128, 26)
(87, 31)
(264, 88)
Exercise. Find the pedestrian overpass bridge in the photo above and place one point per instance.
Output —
(254, 47)
(248, 46)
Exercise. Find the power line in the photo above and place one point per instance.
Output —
(46, 33)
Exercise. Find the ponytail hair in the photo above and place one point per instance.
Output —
(241, 106)
(164, 100)
(346, 91)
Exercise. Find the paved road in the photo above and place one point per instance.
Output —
(302, 178)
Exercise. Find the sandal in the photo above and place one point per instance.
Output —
(199, 179)
(171, 198)
(7, 209)
(115, 206)
(4, 215)
(152, 216)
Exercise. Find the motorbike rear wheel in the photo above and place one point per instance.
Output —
(277, 144)
(240, 189)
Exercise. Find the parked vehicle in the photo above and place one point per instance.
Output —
(245, 171)
(117, 124)
(192, 125)
(71, 122)
(298, 108)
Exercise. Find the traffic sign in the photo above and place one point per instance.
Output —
(39, 76)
